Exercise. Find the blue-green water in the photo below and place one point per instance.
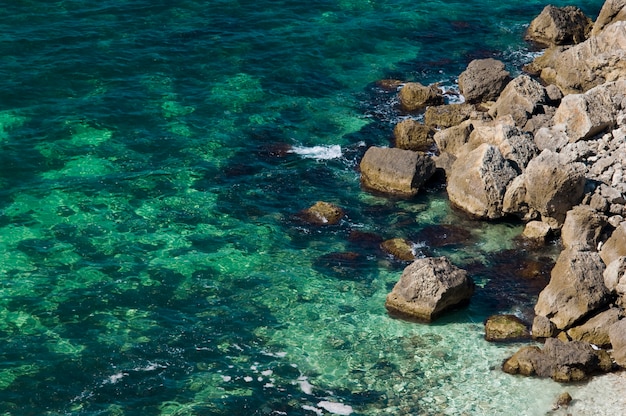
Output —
(153, 158)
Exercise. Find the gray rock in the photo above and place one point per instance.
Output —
(576, 289)
(483, 80)
(395, 171)
(582, 228)
(559, 26)
(548, 186)
(477, 182)
(612, 11)
(521, 98)
(428, 287)
(615, 246)
(585, 115)
(599, 59)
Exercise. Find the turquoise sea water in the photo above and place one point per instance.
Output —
(154, 156)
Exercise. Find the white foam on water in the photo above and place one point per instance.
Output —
(313, 409)
(336, 408)
(305, 386)
(318, 152)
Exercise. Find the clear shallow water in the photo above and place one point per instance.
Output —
(153, 158)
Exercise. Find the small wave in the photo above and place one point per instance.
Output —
(318, 152)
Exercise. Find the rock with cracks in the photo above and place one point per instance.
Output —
(428, 287)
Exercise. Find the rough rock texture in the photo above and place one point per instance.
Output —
(576, 289)
(615, 276)
(562, 361)
(505, 328)
(548, 186)
(559, 26)
(597, 60)
(617, 335)
(543, 328)
(477, 182)
(322, 213)
(483, 80)
(521, 98)
(428, 287)
(615, 246)
(415, 96)
(612, 11)
(444, 116)
(585, 115)
(515, 145)
(395, 171)
(410, 134)
(399, 248)
(596, 330)
(582, 228)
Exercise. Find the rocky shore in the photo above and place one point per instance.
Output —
(547, 147)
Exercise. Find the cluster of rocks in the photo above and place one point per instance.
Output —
(547, 147)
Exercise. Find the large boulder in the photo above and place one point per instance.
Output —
(596, 330)
(562, 361)
(483, 80)
(617, 335)
(585, 115)
(582, 228)
(521, 98)
(612, 11)
(428, 287)
(322, 213)
(597, 60)
(415, 96)
(548, 186)
(576, 289)
(410, 134)
(515, 145)
(559, 26)
(395, 171)
(615, 246)
(477, 182)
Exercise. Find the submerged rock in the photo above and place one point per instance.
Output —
(399, 248)
(395, 171)
(427, 288)
(322, 213)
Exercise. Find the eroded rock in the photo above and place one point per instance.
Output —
(428, 287)
(395, 171)
(576, 289)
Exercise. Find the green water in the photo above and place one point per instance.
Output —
(153, 159)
